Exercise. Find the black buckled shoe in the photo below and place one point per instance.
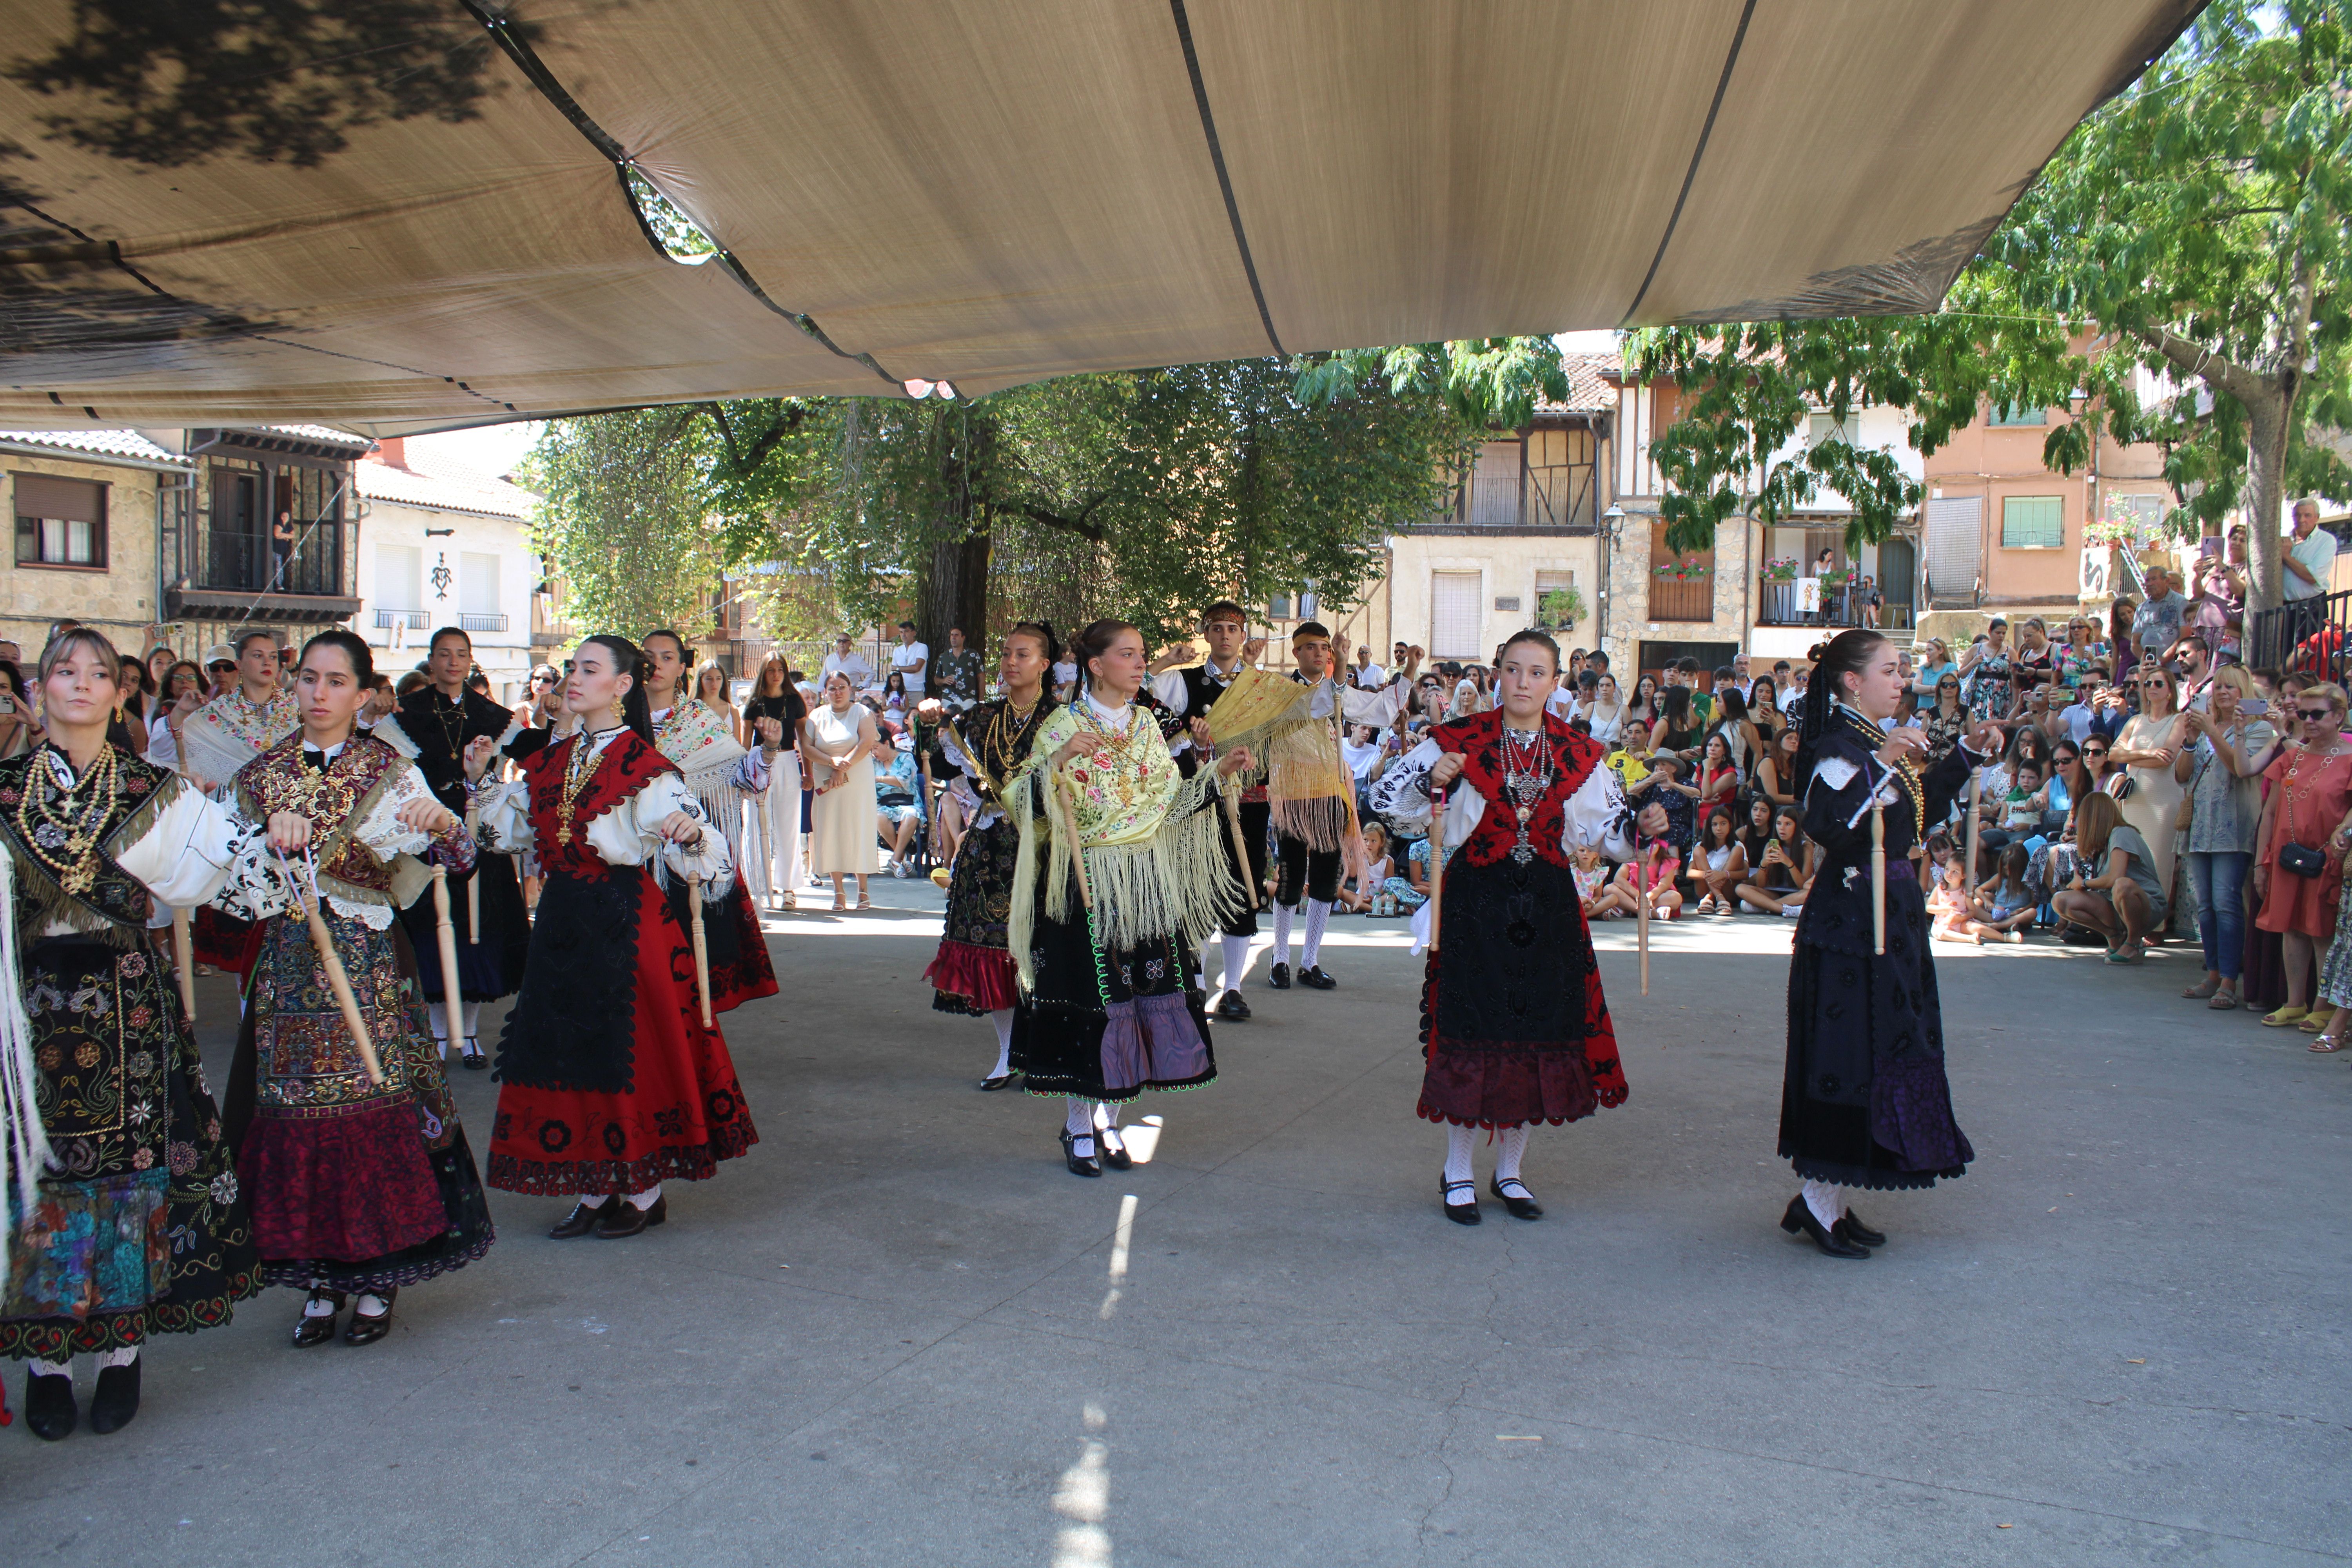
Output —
(116, 1399)
(623, 1218)
(1111, 1149)
(1463, 1213)
(1524, 1206)
(995, 1082)
(1313, 976)
(475, 1058)
(1279, 977)
(1850, 1227)
(317, 1328)
(1800, 1217)
(581, 1220)
(49, 1405)
(1231, 1009)
(1089, 1164)
(367, 1328)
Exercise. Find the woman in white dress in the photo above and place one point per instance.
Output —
(840, 759)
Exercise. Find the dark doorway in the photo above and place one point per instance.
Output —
(1654, 658)
(237, 544)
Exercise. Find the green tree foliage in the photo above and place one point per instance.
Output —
(2193, 227)
(625, 511)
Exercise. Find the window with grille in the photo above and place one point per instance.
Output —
(1453, 617)
(2032, 522)
(59, 522)
(1821, 427)
(2005, 415)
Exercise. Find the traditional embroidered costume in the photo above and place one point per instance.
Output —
(137, 1225)
(433, 730)
(972, 973)
(1185, 695)
(1310, 791)
(1514, 1027)
(216, 741)
(1864, 1103)
(719, 773)
(609, 1083)
(1112, 1004)
(355, 1186)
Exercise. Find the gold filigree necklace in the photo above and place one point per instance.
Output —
(62, 828)
(578, 769)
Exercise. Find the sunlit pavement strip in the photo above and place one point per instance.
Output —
(2118, 1339)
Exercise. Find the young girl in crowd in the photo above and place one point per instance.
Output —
(2004, 905)
(1947, 899)
(1718, 775)
(1378, 863)
(1718, 863)
(1777, 878)
(1600, 898)
(1651, 873)
(1411, 888)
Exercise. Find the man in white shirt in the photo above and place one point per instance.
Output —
(1368, 677)
(2305, 567)
(1740, 677)
(848, 661)
(909, 658)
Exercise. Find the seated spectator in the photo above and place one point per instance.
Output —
(1412, 890)
(1650, 875)
(1718, 865)
(1775, 775)
(1600, 896)
(2017, 814)
(2004, 905)
(1718, 775)
(1680, 800)
(1949, 905)
(2114, 891)
(900, 812)
(1778, 878)
(1356, 896)
(1632, 760)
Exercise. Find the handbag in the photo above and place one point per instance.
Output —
(2301, 860)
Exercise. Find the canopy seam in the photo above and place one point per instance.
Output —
(1698, 152)
(1225, 180)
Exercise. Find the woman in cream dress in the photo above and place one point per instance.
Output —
(2146, 748)
(840, 759)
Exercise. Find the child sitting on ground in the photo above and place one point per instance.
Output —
(1357, 897)
(1594, 889)
(2004, 905)
(1947, 898)
(1658, 855)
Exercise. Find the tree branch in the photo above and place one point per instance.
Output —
(2217, 370)
(1077, 525)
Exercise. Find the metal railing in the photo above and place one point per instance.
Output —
(2305, 636)
(1780, 603)
(386, 620)
(478, 621)
(319, 561)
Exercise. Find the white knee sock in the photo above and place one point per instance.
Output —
(647, 1199)
(1281, 913)
(1318, 915)
(1826, 1201)
(1237, 952)
(121, 1355)
(1459, 1142)
(595, 1200)
(1506, 1161)
(1002, 1018)
(1105, 1124)
(319, 1306)
(472, 1018)
(40, 1368)
(1080, 1124)
(439, 1013)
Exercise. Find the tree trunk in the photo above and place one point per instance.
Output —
(2267, 418)
(954, 592)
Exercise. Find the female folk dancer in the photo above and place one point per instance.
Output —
(436, 724)
(1514, 1027)
(357, 1186)
(1864, 1103)
(988, 743)
(609, 1081)
(134, 1223)
(1120, 860)
(720, 773)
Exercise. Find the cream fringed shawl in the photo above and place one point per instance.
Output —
(1153, 855)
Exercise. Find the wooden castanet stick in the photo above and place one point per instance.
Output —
(183, 946)
(1877, 879)
(1437, 863)
(446, 935)
(1648, 863)
(340, 985)
(473, 886)
(701, 947)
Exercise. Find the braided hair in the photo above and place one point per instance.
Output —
(1848, 653)
(1093, 642)
(1044, 632)
(636, 712)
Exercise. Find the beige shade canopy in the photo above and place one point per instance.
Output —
(414, 215)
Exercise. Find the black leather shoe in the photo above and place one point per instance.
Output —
(48, 1405)
(581, 1220)
(1800, 1217)
(475, 1058)
(1462, 1213)
(317, 1328)
(1000, 1081)
(1232, 1008)
(1316, 978)
(365, 1329)
(116, 1399)
(1080, 1165)
(1524, 1206)
(623, 1218)
(1112, 1150)
(1853, 1229)
(1279, 977)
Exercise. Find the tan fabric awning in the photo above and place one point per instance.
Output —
(978, 192)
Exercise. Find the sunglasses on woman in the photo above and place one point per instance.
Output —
(2314, 715)
(2095, 750)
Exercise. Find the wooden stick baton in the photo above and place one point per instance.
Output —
(1437, 863)
(1877, 878)
(446, 938)
(184, 945)
(1642, 912)
(701, 947)
(339, 983)
(474, 885)
(1975, 822)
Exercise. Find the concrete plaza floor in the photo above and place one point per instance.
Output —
(899, 1334)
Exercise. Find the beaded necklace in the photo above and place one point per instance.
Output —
(578, 769)
(1905, 771)
(1523, 785)
(62, 831)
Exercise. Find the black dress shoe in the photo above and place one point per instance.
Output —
(1112, 1150)
(1524, 1206)
(116, 1399)
(1080, 1165)
(1316, 978)
(475, 1058)
(1851, 1226)
(48, 1405)
(1000, 1081)
(1232, 1008)
(1461, 1213)
(366, 1330)
(623, 1218)
(317, 1328)
(1279, 977)
(581, 1220)
(1801, 1218)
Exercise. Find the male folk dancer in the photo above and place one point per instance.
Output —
(1188, 694)
(1312, 799)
